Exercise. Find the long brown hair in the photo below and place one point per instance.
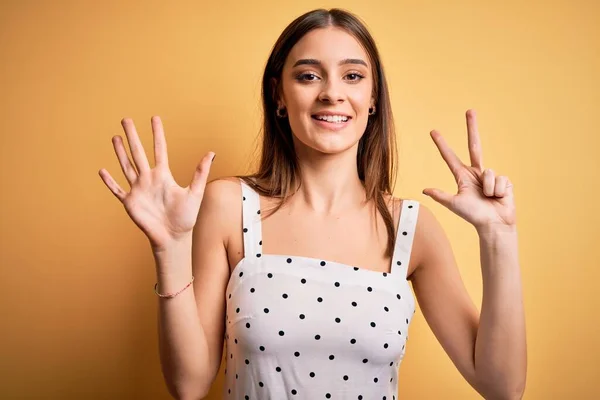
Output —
(278, 170)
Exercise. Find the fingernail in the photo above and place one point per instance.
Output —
(213, 159)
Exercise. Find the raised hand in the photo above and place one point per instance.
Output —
(162, 209)
(483, 199)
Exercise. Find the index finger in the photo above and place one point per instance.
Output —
(451, 159)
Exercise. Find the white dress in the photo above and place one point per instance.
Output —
(306, 328)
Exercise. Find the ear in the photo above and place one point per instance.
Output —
(276, 92)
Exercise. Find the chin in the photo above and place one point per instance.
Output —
(330, 143)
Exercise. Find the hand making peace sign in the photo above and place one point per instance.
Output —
(483, 199)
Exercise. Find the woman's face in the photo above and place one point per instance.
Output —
(327, 75)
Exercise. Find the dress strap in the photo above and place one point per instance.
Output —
(404, 237)
(251, 222)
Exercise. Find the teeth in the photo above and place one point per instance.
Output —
(332, 118)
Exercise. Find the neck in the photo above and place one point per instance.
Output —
(330, 185)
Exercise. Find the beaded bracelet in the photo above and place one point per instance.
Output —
(171, 295)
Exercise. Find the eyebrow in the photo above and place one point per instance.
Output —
(312, 61)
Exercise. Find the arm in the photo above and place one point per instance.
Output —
(488, 351)
(181, 339)
(500, 349)
(191, 325)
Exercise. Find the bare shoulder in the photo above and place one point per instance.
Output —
(223, 191)
(225, 187)
(222, 199)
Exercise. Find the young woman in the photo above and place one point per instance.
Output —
(302, 268)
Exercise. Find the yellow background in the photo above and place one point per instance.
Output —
(78, 312)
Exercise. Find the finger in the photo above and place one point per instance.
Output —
(112, 185)
(160, 143)
(475, 152)
(137, 150)
(128, 169)
(448, 155)
(201, 175)
(500, 186)
(441, 197)
(488, 182)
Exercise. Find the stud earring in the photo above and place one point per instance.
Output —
(372, 110)
(281, 112)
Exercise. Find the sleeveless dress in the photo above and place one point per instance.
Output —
(307, 328)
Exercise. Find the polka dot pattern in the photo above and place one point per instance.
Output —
(300, 327)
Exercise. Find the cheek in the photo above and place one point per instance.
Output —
(300, 102)
(301, 99)
(360, 99)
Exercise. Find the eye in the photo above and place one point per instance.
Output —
(303, 77)
(309, 77)
(356, 77)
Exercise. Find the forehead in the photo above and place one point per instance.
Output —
(329, 45)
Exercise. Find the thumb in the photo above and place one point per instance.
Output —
(201, 174)
(441, 197)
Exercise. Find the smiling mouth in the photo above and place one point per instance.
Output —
(331, 124)
(332, 120)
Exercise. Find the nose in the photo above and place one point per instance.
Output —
(332, 92)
